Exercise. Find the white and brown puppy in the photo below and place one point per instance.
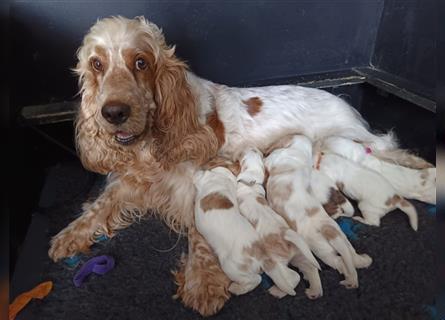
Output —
(288, 191)
(281, 243)
(419, 184)
(375, 195)
(237, 245)
(326, 191)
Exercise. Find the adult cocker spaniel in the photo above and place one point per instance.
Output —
(149, 121)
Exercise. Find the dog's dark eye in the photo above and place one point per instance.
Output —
(141, 64)
(96, 64)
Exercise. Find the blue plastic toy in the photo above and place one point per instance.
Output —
(266, 281)
(349, 227)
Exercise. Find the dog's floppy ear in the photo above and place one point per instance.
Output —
(177, 133)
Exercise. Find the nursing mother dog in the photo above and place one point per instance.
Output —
(149, 120)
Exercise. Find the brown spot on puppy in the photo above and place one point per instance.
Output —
(329, 232)
(391, 202)
(215, 200)
(281, 170)
(424, 176)
(253, 105)
(268, 264)
(312, 211)
(262, 200)
(217, 126)
(279, 193)
(340, 186)
(404, 203)
(219, 161)
(275, 244)
(266, 177)
(336, 198)
(279, 144)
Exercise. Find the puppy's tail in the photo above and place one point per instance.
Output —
(410, 211)
(291, 236)
(284, 278)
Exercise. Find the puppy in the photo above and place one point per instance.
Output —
(375, 195)
(281, 243)
(409, 183)
(289, 193)
(234, 240)
(326, 191)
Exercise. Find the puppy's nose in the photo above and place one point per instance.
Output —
(115, 113)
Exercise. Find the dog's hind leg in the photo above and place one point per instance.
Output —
(310, 273)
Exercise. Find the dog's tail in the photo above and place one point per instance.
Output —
(284, 278)
(410, 211)
(299, 242)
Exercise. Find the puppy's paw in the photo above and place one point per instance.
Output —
(68, 243)
(349, 283)
(362, 261)
(313, 293)
(276, 292)
(237, 289)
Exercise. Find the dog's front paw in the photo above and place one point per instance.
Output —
(67, 243)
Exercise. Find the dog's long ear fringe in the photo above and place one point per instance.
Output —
(178, 135)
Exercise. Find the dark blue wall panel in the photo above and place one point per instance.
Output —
(406, 43)
(233, 42)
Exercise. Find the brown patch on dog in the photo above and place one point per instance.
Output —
(279, 193)
(340, 186)
(283, 142)
(312, 211)
(424, 176)
(262, 200)
(318, 161)
(275, 244)
(266, 178)
(392, 201)
(336, 199)
(404, 203)
(217, 126)
(403, 158)
(329, 232)
(215, 200)
(281, 170)
(253, 105)
(268, 264)
(219, 161)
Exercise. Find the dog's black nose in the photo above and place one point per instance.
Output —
(116, 113)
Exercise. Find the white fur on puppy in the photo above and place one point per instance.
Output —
(375, 195)
(419, 184)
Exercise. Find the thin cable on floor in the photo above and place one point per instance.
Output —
(170, 249)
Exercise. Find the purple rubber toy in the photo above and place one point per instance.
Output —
(98, 265)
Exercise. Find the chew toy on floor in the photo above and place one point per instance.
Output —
(349, 228)
(38, 292)
(99, 265)
(74, 261)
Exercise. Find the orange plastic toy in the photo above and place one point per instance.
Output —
(39, 292)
